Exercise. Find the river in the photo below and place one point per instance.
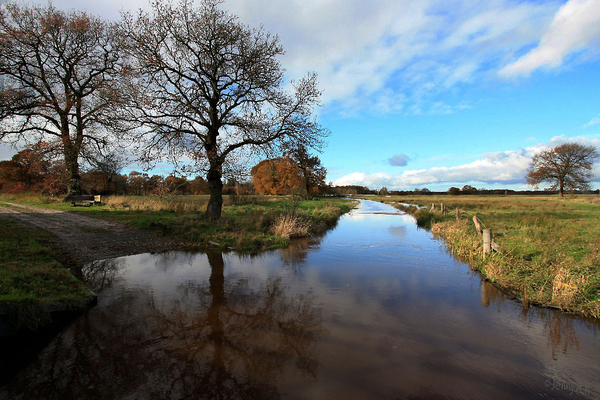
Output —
(375, 309)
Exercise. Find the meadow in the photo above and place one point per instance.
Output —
(249, 224)
(549, 248)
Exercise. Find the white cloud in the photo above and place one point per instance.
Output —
(384, 57)
(574, 28)
(506, 168)
(396, 56)
(593, 121)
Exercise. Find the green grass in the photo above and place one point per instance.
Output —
(247, 223)
(32, 271)
(549, 247)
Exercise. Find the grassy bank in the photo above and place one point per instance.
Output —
(33, 275)
(549, 247)
(249, 224)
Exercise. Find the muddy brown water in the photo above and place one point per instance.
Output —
(376, 309)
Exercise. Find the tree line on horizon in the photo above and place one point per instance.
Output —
(37, 169)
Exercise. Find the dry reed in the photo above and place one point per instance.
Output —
(290, 226)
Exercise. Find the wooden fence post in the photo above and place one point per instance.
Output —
(477, 224)
(487, 242)
(457, 214)
(432, 207)
(443, 208)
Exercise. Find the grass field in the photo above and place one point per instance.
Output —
(549, 247)
(33, 274)
(249, 224)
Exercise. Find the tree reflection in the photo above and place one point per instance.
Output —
(221, 339)
(559, 327)
(101, 274)
(294, 255)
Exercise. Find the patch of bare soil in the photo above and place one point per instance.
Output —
(87, 238)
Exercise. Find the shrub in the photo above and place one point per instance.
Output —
(290, 225)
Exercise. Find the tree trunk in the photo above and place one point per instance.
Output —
(215, 187)
(306, 183)
(72, 165)
(560, 190)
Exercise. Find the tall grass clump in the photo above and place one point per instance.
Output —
(290, 226)
(425, 218)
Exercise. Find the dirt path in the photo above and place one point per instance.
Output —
(86, 238)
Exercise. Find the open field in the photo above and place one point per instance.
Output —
(248, 224)
(549, 247)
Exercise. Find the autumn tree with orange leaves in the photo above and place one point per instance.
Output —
(280, 176)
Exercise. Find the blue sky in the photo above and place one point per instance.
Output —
(435, 93)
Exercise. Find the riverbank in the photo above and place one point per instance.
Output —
(34, 264)
(549, 248)
(249, 224)
(35, 279)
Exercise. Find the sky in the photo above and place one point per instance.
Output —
(434, 93)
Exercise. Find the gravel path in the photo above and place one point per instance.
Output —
(86, 238)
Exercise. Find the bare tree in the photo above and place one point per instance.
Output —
(567, 166)
(60, 71)
(210, 87)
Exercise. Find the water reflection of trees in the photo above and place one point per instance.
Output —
(101, 274)
(221, 339)
(560, 328)
(294, 256)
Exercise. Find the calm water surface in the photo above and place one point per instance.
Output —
(377, 309)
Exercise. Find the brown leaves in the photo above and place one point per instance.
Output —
(567, 166)
(277, 176)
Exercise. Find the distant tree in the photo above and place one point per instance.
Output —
(277, 176)
(57, 179)
(105, 172)
(28, 169)
(152, 183)
(136, 181)
(468, 189)
(96, 182)
(565, 167)
(313, 173)
(199, 186)
(59, 74)
(454, 191)
(210, 87)
(383, 191)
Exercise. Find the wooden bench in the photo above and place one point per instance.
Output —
(85, 199)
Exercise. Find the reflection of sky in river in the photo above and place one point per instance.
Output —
(396, 301)
(400, 316)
